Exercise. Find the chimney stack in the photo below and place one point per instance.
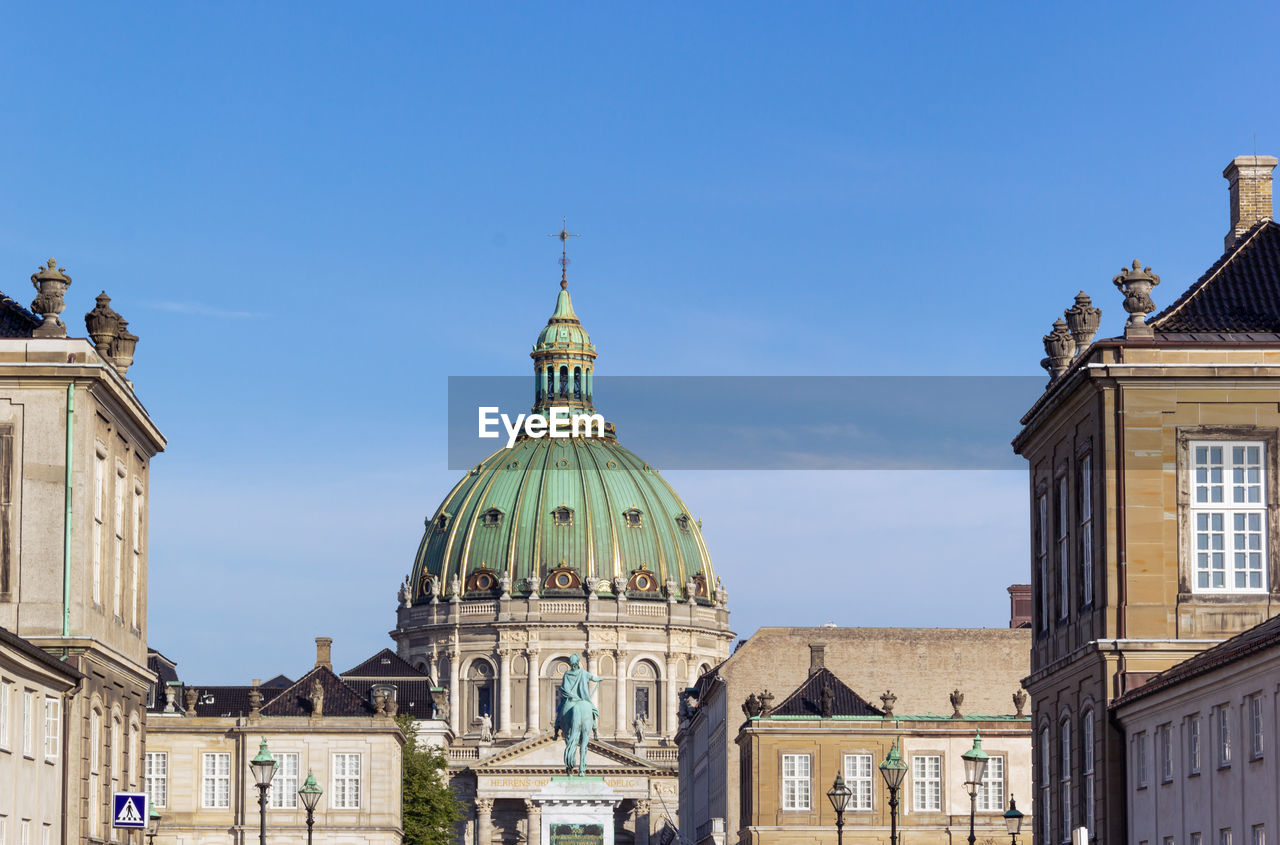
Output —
(1250, 180)
(323, 646)
(817, 656)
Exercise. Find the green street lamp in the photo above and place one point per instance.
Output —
(1013, 820)
(264, 768)
(153, 826)
(894, 770)
(310, 794)
(975, 766)
(839, 795)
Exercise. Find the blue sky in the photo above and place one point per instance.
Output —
(312, 214)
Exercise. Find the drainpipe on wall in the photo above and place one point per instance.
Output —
(66, 535)
(1122, 569)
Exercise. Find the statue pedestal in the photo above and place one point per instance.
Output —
(577, 811)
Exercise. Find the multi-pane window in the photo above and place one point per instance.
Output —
(28, 721)
(118, 556)
(926, 783)
(99, 516)
(346, 782)
(95, 766)
(1064, 568)
(1259, 836)
(1164, 745)
(4, 713)
(1195, 838)
(1044, 812)
(1224, 836)
(991, 790)
(137, 554)
(52, 727)
(1042, 558)
(795, 781)
(1193, 746)
(156, 774)
(1255, 723)
(1224, 736)
(215, 789)
(1064, 779)
(117, 751)
(1086, 767)
(1229, 515)
(1140, 758)
(1086, 530)
(135, 734)
(857, 776)
(283, 792)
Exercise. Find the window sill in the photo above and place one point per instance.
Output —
(1194, 774)
(1222, 767)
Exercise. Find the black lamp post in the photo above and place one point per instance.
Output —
(975, 765)
(893, 770)
(839, 795)
(264, 768)
(153, 826)
(310, 795)
(1013, 820)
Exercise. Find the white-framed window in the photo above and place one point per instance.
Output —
(1064, 777)
(52, 727)
(283, 793)
(95, 769)
(24, 832)
(1224, 836)
(795, 781)
(1168, 840)
(1140, 758)
(4, 715)
(4, 829)
(1044, 812)
(346, 782)
(991, 790)
(1086, 767)
(1258, 835)
(1064, 552)
(1164, 744)
(117, 591)
(1229, 516)
(28, 722)
(46, 834)
(926, 783)
(135, 734)
(1255, 722)
(117, 750)
(1195, 838)
(1224, 737)
(1086, 531)
(156, 779)
(99, 515)
(857, 776)
(215, 789)
(1042, 558)
(1193, 746)
(137, 552)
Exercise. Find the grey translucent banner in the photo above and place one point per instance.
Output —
(776, 422)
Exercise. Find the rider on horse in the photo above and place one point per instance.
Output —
(575, 702)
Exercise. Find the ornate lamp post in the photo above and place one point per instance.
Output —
(839, 795)
(1013, 820)
(153, 826)
(264, 769)
(975, 765)
(310, 795)
(893, 770)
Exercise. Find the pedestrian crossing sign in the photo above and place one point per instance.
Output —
(129, 810)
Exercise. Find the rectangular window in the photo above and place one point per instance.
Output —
(1259, 835)
(4, 713)
(1255, 721)
(857, 776)
(1086, 531)
(137, 555)
(157, 779)
(28, 721)
(642, 703)
(1193, 746)
(24, 832)
(1044, 812)
(926, 783)
(134, 735)
(1195, 838)
(1165, 743)
(1229, 516)
(1224, 736)
(4, 829)
(117, 562)
(1042, 558)
(283, 793)
(1224, 836)
(95, 763)
(99, 517)
(346, 782)
(795, 781)
(1064, 562)
(46, 834)
(1086, 768)
(215, 790)
(52, 727)
(991, 790)
(1064, 778)
(1140, 758)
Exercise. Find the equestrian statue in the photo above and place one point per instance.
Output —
(578, 717)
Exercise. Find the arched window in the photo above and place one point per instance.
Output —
(551, 382)
(564, 381)
(577, 382)
(644, 694)
(95, 770)
(480, 691)
(1044, 812)
(492, 517)
(1064, 776)
(1086, 768)
(633, 517)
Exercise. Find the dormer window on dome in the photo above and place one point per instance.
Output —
(642, 581)
(442, 522)
(562, 515)
(682, 522)
(491, 518)
(633, 517)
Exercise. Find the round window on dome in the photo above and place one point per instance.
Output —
(564, 580)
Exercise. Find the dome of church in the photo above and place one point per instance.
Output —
(561, 516)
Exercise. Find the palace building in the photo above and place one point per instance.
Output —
(545, 549)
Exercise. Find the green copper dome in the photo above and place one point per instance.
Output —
(560, 515)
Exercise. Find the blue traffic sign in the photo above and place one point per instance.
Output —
(129, 810)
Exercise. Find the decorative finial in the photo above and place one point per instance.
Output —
(1083, 319)
(1136, 283)
(564, 234)
(1060, 347)
(957, 699)
(50, 283)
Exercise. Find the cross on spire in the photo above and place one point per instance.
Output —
(564, 234)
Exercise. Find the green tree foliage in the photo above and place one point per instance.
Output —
(430, 809)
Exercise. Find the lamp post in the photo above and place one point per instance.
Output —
(893, 770)
(310, 795)
(839, 795)
(975, 765)
(153, 826)
(264, 768)
(1013, 820)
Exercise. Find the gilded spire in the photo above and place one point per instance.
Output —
(564, 234)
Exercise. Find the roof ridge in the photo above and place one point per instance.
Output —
(1214, 271)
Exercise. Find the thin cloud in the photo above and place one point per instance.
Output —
(203, 310)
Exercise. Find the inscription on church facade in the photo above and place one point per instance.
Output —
(577, 834)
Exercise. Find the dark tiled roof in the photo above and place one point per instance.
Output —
(165, 668)
(412, 697)
(807, 699)
(16, 321)
(384, 664)
(1258, 638)
(339, 698)
(39, 655)
(278, 682)
(218, 701)
(1238, 298)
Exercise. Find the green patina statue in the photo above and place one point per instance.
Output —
(577, 716)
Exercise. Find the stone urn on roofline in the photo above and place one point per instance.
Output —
(51, 284)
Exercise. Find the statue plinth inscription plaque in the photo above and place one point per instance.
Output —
(577, 811)
(577, 834)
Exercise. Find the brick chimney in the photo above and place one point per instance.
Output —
(323, 646)
(817, 656)
(1250, 180)
(1019, 605)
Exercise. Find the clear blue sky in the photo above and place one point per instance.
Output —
(312, 214)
